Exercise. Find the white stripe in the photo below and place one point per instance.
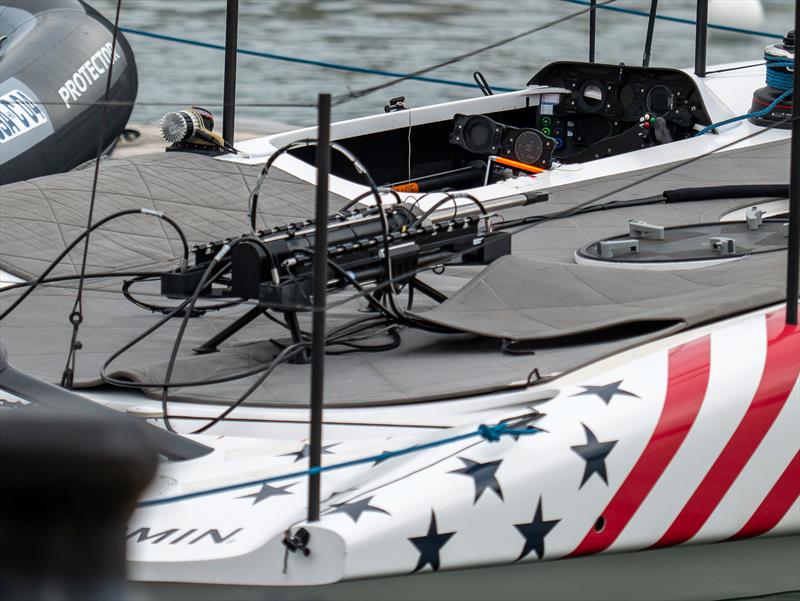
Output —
(790, 524)
(738, 353)
(759, 475)
(628, 420)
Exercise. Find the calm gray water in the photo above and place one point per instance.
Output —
(390, 35)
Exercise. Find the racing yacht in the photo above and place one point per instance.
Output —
(559, 357)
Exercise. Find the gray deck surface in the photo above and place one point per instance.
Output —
(209, 199)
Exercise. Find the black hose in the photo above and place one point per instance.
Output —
(722, 192)
(83, 235)
(155, 308)
(100, 275)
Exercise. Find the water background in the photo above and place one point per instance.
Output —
(395, 36)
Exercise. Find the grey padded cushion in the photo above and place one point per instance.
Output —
(207, 197)
(524, 300)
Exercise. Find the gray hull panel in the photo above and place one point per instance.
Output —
(734, 570)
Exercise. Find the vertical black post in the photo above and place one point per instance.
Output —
(701, 38)
(229, 94)
(592, 28)
(651, 25)
(319, 284)
(793, 260)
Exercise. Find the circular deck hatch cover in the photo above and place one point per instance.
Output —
(649, 246)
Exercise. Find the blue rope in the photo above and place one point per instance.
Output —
(641, 13)
(777, 77)
(488, 433)
(305, 61)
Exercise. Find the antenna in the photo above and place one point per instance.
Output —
(592, 28)
(701, 38)
(229, 93)
(651, 25)
(793, 258)
(319, 284)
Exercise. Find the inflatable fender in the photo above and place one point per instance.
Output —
(54, 61)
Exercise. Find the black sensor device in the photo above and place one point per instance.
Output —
(480, 135)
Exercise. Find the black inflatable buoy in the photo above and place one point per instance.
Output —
(54, 60)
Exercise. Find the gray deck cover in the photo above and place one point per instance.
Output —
(551, 301)
(207, 197)
(525, 300)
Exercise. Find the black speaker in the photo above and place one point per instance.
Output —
(477, 134)
(481, 135)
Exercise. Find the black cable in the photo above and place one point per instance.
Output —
(371, 300)
(285, 354)
(337, 336)
(360, 168)
(357, 165)
(204, 280)
(669, 196)
(573, 210)
(419, 199)
(85, 235)
(172, 103)
(371, 348)
(130, 344)
(364, 195)
(363, 92)
(155, 308)
(363, 292)
(76, 316)
(194, 383)
(735, 68)
(451, 197)
(65, 278)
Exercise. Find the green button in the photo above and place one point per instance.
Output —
(546, 131)
(546, 121)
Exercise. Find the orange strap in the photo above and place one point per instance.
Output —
(517, 165)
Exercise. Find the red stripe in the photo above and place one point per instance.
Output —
(777, 502)
(686, 388)
(780, 106)
(780, 374)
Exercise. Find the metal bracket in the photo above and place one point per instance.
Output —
(641, 229)
(754, 215)
(608, 249)
(722, 245)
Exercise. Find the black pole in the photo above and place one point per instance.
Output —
(651, 25)
(319, 284)
(701, 38)
(793, 260)
(592, 28)
(229, 94)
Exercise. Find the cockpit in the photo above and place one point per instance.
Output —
(571, 112)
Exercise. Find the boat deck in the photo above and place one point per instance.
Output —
(208, 198)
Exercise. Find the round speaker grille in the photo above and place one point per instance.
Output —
(478, 135)
(528, 147)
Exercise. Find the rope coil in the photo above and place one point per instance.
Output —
(780, 72)
(780, 75)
